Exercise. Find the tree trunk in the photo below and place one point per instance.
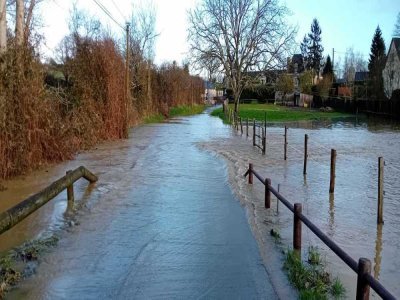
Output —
(149, 94)
(3, 27)
(19, 22)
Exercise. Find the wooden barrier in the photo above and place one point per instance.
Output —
(363, 268)
(381, 164)
(16, 214)
(333, 171)
(305, 154)
(285, 145)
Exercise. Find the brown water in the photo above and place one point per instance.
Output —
(161, 222)
(348, 217)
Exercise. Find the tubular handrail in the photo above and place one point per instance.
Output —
(347, 259)
(17, 213)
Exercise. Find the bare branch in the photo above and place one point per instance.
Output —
(241, 35)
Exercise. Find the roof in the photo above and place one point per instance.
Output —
(396, 42)
(209, 85)
(340, 80)
(361, 76)
(397, 45)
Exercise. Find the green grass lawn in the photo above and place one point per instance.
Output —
(277, 113)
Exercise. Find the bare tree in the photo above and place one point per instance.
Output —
(353, 62)
(19, 22)
(243, 35)
(3, 26)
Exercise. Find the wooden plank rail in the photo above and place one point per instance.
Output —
(362, 267)
(16, 214)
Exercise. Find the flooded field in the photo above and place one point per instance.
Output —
(349, 217)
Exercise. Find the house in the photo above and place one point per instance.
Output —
(211, 93)
(391, 72)
(361, 77)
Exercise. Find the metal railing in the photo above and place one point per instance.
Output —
(16, 214)
(362, 268)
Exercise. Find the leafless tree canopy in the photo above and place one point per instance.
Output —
(242, 35)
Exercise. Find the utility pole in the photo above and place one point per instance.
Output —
(19, 22)
(3, 26)
(127, 89)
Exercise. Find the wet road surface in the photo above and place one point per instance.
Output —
(166, 225)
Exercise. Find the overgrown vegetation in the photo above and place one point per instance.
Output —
(280, 113)
(49, 111)
(311, 279)
(13, 264)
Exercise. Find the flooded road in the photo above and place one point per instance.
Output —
(161, 222)
(348, 217)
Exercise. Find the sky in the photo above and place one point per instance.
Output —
(344, 23)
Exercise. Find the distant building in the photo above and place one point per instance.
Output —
(361, 76)
(211, 92)
(295, 64)
(391, 72)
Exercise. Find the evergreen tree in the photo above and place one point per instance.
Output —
(377, 63)
(396, 30)
(378, 50)
(305, 44)
(328, 68)
(315, 48)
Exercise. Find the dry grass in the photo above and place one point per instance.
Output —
(41, 124)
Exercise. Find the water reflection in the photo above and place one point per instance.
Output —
(349, 215)
(378, 251)
(331, 214)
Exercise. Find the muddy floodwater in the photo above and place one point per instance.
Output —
(152, 163)
(161, 222)
(349, 216)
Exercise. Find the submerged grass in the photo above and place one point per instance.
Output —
(186, 110)
(312, 280)
(13, 264)
(277, 113)
(181, 110)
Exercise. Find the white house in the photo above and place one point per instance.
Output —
(391, 72)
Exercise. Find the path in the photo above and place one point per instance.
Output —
(171, 228)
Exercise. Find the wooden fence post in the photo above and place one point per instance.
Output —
(285, 145)
(277, 200)
(381, 164)
(267, 201)
(254, 132)
(305, 154)
(264, 146)
(297, 228)
(250, 173)
(70, 191)
(265, 123)
(333, 171)
(247, 126)
(364, 268)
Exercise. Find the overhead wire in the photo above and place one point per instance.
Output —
(107, 12)
(119, 11)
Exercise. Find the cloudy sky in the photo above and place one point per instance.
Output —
(344, 23)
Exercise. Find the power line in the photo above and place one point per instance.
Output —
(120, 12)
(105, 10)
